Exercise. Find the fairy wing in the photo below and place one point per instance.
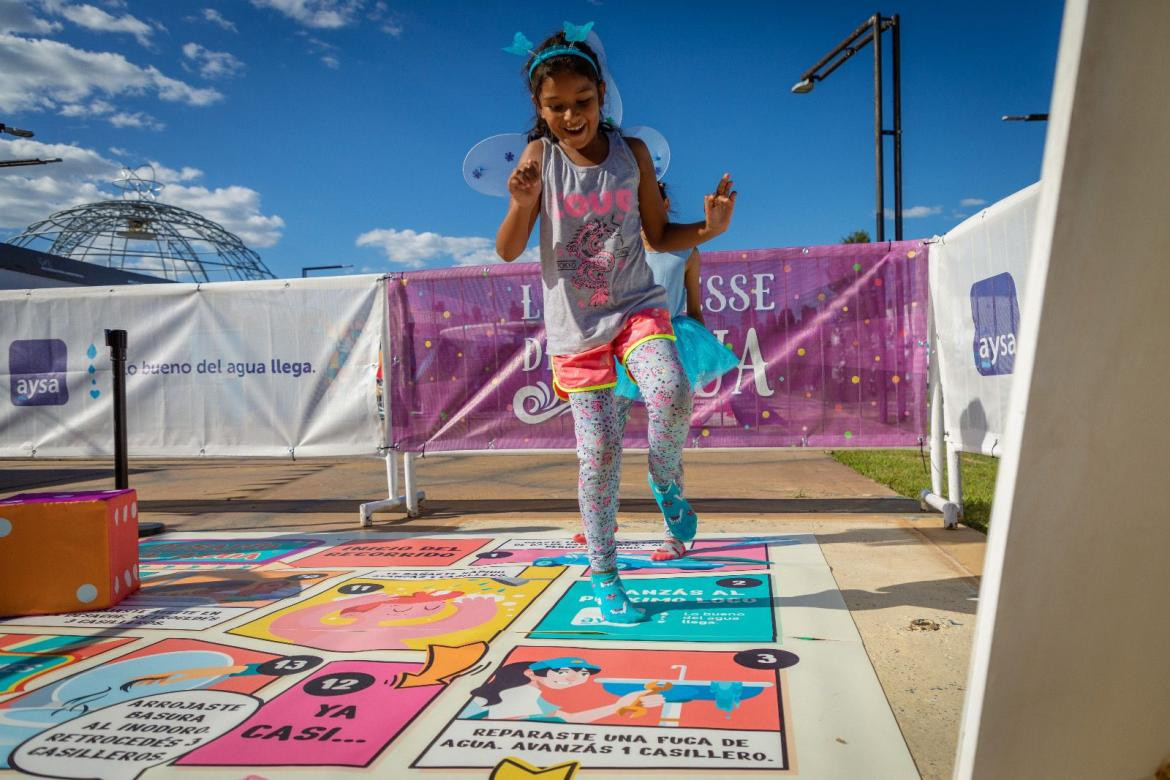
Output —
(656, 143)
(612, 110)
(490, 162)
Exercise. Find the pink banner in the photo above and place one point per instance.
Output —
(831, 341)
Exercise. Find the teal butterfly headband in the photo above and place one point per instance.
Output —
(522, 47)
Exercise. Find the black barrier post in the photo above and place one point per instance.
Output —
(116, 341)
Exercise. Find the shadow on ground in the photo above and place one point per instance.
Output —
(12, 480)
(876, 505)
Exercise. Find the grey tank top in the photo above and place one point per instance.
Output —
(592, 261)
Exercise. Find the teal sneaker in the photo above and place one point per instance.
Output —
(681, 520)
(615, 605)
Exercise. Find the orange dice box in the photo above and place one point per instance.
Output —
(67, 552)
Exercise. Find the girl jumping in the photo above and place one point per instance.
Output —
(702, 356)
(596, 193)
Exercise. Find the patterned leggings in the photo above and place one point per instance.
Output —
(599, 423)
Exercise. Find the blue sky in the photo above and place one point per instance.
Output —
(305, 125)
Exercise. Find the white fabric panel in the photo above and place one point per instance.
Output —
(266, 368)
(976, 315)
(1069, 674)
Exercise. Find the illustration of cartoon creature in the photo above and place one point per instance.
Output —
(109, 684)
(379, 622)
(515, 692)
(596, 263)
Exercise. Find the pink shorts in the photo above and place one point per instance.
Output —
(594, 369)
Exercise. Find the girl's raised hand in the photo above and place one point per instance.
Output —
(524, 183)
(719, 206)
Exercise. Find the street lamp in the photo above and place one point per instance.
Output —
(305, 269)
(16, 131)
(871, 32)
(37, 161)
(1025, 118)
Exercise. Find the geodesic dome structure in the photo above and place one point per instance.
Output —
(145, 236)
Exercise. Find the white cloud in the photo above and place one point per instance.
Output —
(319, 14)
(213, 64)
(316, 46)
(916, 211)
(17, 17)
(101, 109)
(94, 18)
(41, 74)
(118, 151)
(170, 176)
(416, 250)
(234, 207)
(216, 18)
(31, 194)
(95, 108)
(389, 24)
(972, 202)
(137, 119)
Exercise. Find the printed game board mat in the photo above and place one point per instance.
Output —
(462, 656)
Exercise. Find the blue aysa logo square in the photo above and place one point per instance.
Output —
(37, 370)
(996, 313)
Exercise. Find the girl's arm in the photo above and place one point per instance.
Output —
(524, 204)
(666, 236)
(691, 282)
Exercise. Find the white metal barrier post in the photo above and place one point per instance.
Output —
(940, 449)
(393, 499)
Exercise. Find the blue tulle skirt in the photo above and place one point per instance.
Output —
(703, 357)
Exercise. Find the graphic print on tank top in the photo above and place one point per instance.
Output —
(591, 264)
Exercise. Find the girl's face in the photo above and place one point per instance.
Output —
(560, 678)
(570, 105)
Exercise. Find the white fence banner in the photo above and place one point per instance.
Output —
(266, 368)
(977, 278)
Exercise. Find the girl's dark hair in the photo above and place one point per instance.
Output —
(506, 677)
(555, 66)
(662, 191)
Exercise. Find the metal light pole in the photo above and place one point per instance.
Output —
(871, 32)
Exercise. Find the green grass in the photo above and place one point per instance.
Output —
(904, 472)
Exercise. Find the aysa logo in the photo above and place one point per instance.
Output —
(36, 368)
(996, 313)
